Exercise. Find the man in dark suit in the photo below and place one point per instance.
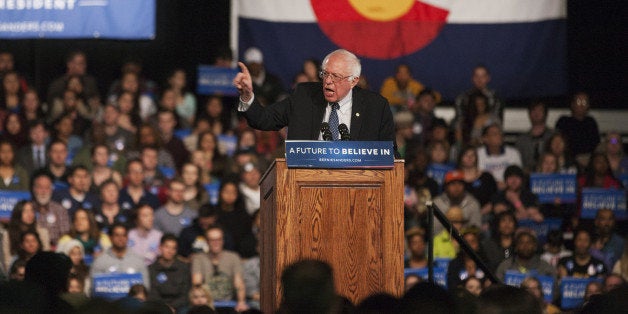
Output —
(366, 114)
(34, 156)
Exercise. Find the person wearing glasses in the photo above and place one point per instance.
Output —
(366, 114)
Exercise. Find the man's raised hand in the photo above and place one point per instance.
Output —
(244, 83)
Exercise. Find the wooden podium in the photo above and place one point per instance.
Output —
(349, 218)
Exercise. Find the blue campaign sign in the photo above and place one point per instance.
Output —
(572, 291)
(595, 198)
(215, 81)
(549, 187)
(339, 154)
(541, 229)
(227, 144)
(515, 278)
(213, 190)
(114, 285)
(116, 19)
(440, 274)
(8, 199)
(438, 171)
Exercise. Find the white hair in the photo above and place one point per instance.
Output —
(351, 60)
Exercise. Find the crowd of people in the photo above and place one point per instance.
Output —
(155, 180)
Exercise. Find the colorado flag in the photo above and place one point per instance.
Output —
(523, 43)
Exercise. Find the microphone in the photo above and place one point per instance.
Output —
(326, 132)
(344, 132)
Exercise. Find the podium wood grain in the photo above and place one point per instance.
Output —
(350, 218)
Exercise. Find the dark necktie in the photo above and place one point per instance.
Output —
(333, 121)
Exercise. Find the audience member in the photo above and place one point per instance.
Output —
(554, 250)
(118, 258)
(416, 243)
(401, 89)
(185, 100)
(580, 129)
(463, 266)
(516, 196)
(557, 145)
(494, 156)
(531, 144)
(50, 215)
(174, 215)
(267, 87)
(77, 195)
(192, 238)
(480, 79)
(143, 238)
(249, 187)
(85, 229)
(76, 65)
(22, 221)
(135, 193)
(57, 164)
(621, 266)
(607, 244)
(500, 245)
(581, 264)
(195, 194)
(307, 287)
(456, 195)
(221, 270)
(480, 184)
(169, 277)
(525, 260)
(12, 176)
(110, 211)
(32, 157)
(498, 299)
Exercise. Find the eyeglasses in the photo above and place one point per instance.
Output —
(334, 77)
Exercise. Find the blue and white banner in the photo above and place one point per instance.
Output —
(523, 43)
(115, 19)
(552, 187)
(339, 154)
(8, 199)
(595, 198)
(572, 291)
(227, 144)
(215, 81)
(438, 171)
(115, 285)
(541, 229)
(213, 190)
(515, 278)
(440, 274)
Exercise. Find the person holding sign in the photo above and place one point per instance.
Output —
(366, 114)
(118, 258)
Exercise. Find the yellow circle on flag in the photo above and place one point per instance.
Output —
(382, 10)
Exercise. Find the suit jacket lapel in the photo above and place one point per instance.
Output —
(317, 115)
(357, 107)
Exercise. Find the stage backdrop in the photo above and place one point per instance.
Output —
(523, 43)
(112, 19)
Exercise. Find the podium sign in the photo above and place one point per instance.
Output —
(339, 154)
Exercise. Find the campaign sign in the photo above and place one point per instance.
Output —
(227, 144)
(115, 285)
(438, 171)
(8, 199)
(515, 278)
(572, 291)
(541, 229)
(225, 304)
(215, 81)
(440, 274)
(339, 154)
(595, 198)
(116, 19)
(213, 191)
(549, 187)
